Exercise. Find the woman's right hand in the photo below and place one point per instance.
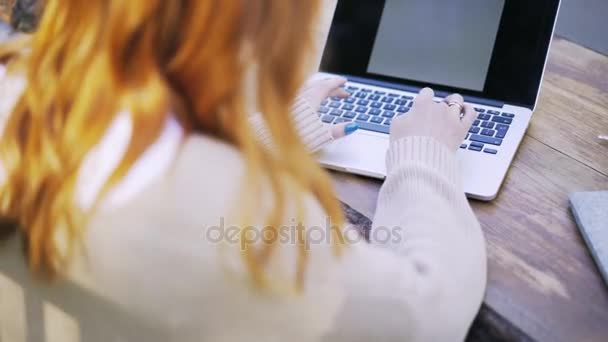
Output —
(437, 120)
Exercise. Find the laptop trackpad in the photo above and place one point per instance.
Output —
(361, 153)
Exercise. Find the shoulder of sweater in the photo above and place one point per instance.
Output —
(208, 166)
(212, 158)
(11, 87)
(212, 175)
(207, 173)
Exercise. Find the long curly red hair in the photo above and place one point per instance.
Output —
(90, 59)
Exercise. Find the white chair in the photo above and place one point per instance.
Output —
(35, 311)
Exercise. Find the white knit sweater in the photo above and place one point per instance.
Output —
(153, 247)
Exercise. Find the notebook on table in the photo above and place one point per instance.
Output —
(590, 211)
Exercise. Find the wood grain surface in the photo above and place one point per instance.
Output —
(541, 276)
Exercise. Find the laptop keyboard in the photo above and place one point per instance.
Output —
(374, 110)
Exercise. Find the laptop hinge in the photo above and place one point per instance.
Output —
(412, 89)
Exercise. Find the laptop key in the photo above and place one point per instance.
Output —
(493, 112)
(363, 117)
(490, 151)
(501, 127)
(484, 117)
(477, 144)
(387, 99)
(323, 110)
(376, 105)
(388, 122)
(374, 127)
(349, 115)
(335, 104)
(390, 107)
(388, 114)
(488, 132)
(403, 109)
(393, 95)
(480, 110)
(341, 120)
(401, 102)
(366, 90)
(361, 109)
(475, 148)
(348, 106)
(361, 95)
(407, 97)
(486, 140)
(336, 112)
(487, 124)
(501, 134)
(374, 111)
(502, 120)
(376, 120)
(363, 102)
(328, 119)
(474, 130)
(350, 100)
(410, 104)
(508, 115)
(380, 92)
(463, 146)
(476, 122)
(374, 97)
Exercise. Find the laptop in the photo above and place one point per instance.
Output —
(493, 52)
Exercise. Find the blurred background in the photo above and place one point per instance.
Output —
(581, 21)
(4, 18)
(585, 22)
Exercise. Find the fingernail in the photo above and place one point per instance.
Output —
(351, 128)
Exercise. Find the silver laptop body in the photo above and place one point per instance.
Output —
(383, 83)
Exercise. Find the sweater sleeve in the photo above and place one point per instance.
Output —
(312, 131)
(11, 87)
(423, 276)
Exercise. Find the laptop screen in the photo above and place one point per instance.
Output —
(494, 49)
(454, 51)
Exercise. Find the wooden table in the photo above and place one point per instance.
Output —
(542, 282)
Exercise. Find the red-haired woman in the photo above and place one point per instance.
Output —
(167, 146)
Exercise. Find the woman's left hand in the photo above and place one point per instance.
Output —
(313, 132)
(316, 90)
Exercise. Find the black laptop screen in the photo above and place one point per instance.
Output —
(494, 49)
